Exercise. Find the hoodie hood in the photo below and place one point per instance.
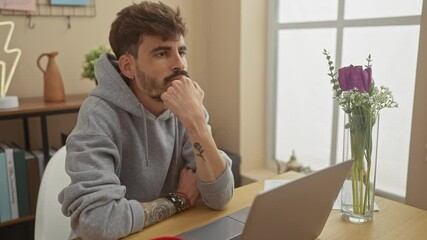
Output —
(113, 89)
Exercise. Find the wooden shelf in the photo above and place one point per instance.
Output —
(18, 220)
(37, 107)
(29, 107)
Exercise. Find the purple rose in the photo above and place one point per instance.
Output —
(352, 77)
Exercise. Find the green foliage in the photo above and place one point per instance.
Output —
(90, 60)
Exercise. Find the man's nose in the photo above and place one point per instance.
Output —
(179, 62)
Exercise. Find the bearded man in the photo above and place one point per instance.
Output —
(142, 150)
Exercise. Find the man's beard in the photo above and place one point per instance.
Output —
(154, 88)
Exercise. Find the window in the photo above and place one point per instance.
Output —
(305, 118)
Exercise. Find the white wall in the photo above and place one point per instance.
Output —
(416, 192)
(224, 64)
(237, 85)
(253, 83)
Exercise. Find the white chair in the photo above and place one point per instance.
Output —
(51, 224)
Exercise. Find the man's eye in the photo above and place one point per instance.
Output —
(162, 54)
(182, 53)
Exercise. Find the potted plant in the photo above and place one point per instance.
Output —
(90, 60)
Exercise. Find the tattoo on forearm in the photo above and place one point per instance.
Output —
(157, 210)
(199, 150)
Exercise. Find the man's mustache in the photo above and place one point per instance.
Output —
(175, 74)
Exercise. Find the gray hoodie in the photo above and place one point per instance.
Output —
(119, 155)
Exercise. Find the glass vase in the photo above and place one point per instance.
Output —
(360, 144)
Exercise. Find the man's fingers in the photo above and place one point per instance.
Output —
(196, 85)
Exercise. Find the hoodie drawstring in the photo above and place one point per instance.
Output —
(177, 143)
(145, 133)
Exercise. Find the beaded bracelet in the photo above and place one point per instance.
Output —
(179, 201)
(186, 198)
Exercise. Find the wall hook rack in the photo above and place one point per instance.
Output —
(69, 22)
(30, 23)
(45, 9)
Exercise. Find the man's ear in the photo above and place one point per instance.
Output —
(126, 65)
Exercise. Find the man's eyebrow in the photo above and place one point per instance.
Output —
(167, 48)
(161, 48)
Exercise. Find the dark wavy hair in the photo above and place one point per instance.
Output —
(145, 18)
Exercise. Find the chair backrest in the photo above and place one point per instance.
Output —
(50, 222)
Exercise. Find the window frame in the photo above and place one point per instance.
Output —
(272, 58)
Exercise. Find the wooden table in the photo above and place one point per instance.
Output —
(393, 221)
(37, 107)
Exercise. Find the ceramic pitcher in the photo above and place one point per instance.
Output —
(53, 86)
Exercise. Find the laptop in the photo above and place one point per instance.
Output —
(296, 210)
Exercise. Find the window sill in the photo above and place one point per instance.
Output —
(258, 174)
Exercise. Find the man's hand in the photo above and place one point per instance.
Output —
(185, 99)
(188, 185)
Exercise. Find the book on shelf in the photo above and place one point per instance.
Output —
(20, 177)
(40, 156)
(33, 180)
(13, 194)
(21, 181)
(4, 189)
(40, 160)
(27, 182)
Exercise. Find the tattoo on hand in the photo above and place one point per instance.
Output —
(200, 150)
(157, 210)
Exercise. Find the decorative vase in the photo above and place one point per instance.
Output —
(53, 86)
(360, 144)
